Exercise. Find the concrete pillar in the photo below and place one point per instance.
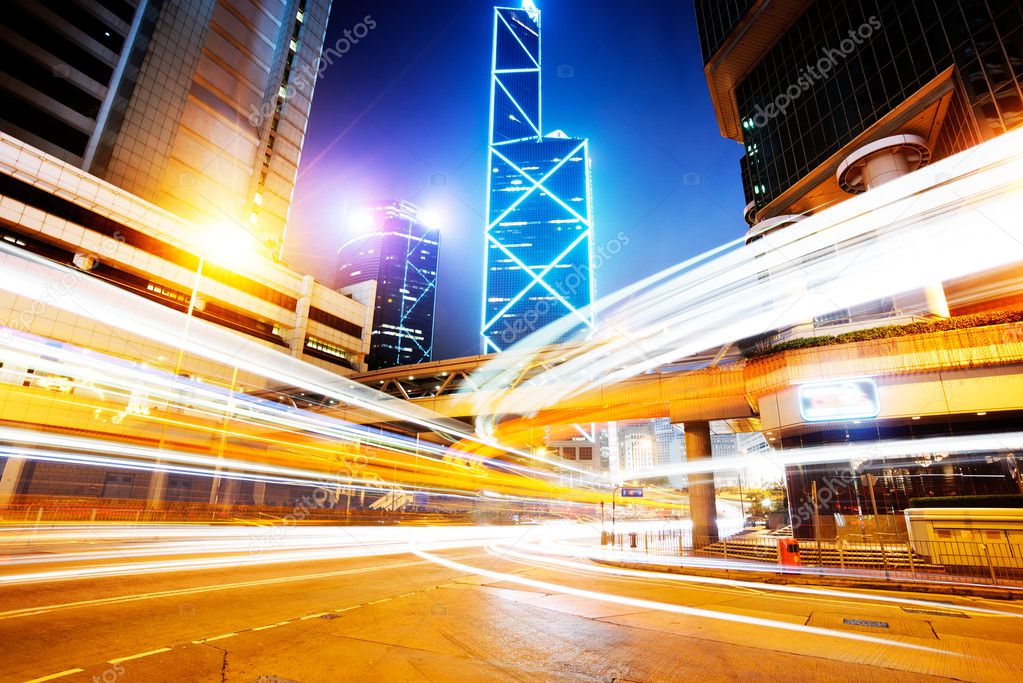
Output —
(228, 493)
(295, 338)
(10, 479)
(259, 492)
(875, 164)
(702, 503)
(614, 464)
(157, 489)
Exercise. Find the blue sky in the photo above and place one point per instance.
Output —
(404, 112)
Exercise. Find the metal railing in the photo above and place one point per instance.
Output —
(49, 511)
(996, 562)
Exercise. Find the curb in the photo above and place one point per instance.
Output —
(786, 578)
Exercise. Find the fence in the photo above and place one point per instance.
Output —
(56, 511)
(995, 562)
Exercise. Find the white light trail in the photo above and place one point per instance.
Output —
(957, 217)
(541, 555)
(665, 607)
(864, 451)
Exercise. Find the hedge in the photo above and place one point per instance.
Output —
(961, 322)
(1008, 500)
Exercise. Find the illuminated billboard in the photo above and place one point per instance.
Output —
(847, 399)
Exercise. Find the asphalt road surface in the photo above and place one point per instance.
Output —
(463, 614)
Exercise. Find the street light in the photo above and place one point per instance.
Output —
(227, 244)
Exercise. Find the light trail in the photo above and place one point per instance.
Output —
(667, 607)
(846, 452)
(101, 301)
(895, 238)
(541, 556)
(199, 548)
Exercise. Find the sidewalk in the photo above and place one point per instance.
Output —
(814, 576)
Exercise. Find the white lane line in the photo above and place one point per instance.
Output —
(140, 655)
(405, 595)
(263, 628)
(65, 672)
(312, 616)
(346, 609)
(210, 640)
(374, 602)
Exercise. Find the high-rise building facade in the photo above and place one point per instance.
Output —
(391, 268)
(831, 99)
(199, 107)
(539, 230)
(153, 145)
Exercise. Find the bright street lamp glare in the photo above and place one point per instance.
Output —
(431, 218)
(362, 221)
(228, 244)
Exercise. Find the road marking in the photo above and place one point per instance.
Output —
(210, 640)
(374, 602)
(312, 616)
(138, 656)
(263, 628)
(66, 672)
(346, 609)
(405, 595)
(32, 611)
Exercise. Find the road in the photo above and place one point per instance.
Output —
(458, 605)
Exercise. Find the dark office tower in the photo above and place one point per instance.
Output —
(391, 268)
(832, 98)
(539, 229)
(199, 107)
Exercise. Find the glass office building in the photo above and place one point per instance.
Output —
(817, 91)
(539, 229)
(392, 268)
(948, 71)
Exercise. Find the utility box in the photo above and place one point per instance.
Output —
(788, 553)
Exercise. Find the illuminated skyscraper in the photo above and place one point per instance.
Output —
(391, 268)
(539, 220)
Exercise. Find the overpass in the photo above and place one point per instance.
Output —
(919, 376)
(971, 377)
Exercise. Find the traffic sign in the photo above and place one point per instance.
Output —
(632, 493)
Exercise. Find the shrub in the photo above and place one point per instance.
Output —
(961, 322)
(1007, 500)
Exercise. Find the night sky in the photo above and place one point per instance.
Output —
(404, 112)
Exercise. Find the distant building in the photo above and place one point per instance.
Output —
(583, 453)
(539, 230)
(391, 268)
(643, 444)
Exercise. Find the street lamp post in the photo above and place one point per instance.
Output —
(225, 243)
(614, 493)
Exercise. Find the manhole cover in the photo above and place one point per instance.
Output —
(866, 622)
